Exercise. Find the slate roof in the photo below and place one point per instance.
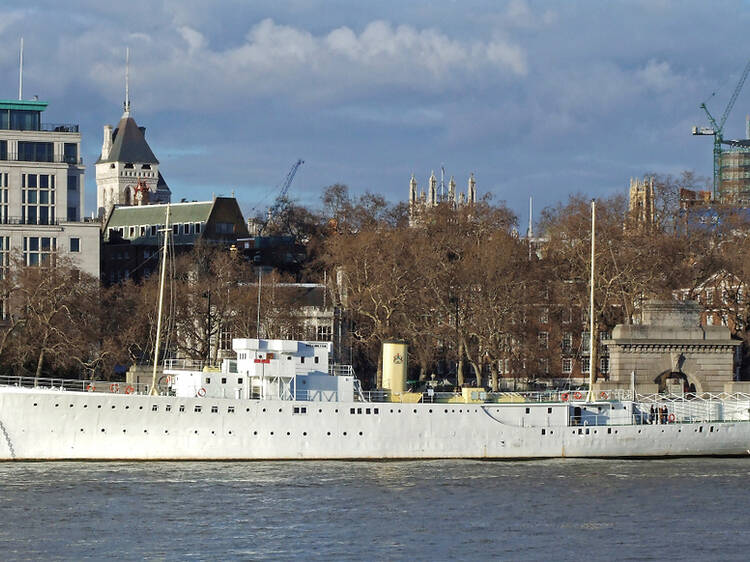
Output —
(129, 144)
(156, 214)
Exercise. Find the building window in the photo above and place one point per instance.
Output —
(544, 316)
(175, 229)
(225, 338)
(567, 342)
(70, 153)
(39, 250)
(543, 339)
(3, 197)
(543, 365)
(585, 342)
(154, 230)
(585, 364)
(567, 315)
(35, 151)
(197, 227)
(324, 333)
(38, 198)
(567, 365)
(75, 244)
(604, 365)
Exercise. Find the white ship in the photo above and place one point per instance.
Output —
(281, 400)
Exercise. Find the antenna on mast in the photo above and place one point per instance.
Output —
(127, 80)
(20, 73)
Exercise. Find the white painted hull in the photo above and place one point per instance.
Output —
(38, 424)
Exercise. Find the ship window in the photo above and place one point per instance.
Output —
(303, 409)
(544, 431)
(352, 410)
(376, 411)
(168, 407)
(316, 359)
(700, 429)
(197, 409)
(587, 431)
(214, 409)
(301, 359)
(230, 409)
(295, 410)
(528, 410)
(549, 410)
(239, 381)
(580, 431)
(359, 410)
(208, 380)
(711, 429)
(223, 380)
(154, 408)
(609, 430)
(367, 410)
(182, 407)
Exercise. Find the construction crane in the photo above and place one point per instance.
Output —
(281, 200)
(717, 129)
(289, 177)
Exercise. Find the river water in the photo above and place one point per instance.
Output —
(679, 509)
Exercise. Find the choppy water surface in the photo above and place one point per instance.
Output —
(542, 510)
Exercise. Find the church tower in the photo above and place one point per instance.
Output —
(127, 166)
(642, 203)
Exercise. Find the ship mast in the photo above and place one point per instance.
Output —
(163, 274)
(592, 333)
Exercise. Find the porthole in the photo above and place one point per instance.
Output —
(196, 432)
(430, 411)
(213, 432)
(288, 433)
(102, 430)
(255, 433)
(166, 431)
(72, 406)
(360, 433)
(345, 433)
(145, 431)
(82, 429)
(113, 406)
(304, 433)
(272, 433)
(264, 410)
(124, 430)
(247, 409)
(34, 403)
(56, 405)
(328, 433)
(280, 410)
(99, 406)
(320, 410)
(85, 405)
(230, 433)
(415, 410)
(126, 407)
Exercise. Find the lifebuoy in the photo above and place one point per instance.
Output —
(129, 389)
(671, 418)
(564, 397)
(114, 387)
(201, 392)
(578, 396)
(603, 395)
(91, 388)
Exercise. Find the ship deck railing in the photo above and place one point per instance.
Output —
(76, 385)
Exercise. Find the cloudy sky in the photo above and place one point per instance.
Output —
(536, 98)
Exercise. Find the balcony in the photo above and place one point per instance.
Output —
(57, 159)
(59, 127)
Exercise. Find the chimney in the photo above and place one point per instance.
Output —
(107, 142)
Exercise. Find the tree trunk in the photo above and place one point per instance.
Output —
(493, 371)
(460, 365)
(422, 371)
(39, 363)
(379, 372)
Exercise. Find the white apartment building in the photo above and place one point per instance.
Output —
(42, 190)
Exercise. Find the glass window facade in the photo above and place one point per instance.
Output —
(35, 151)
(38, 199)
(39, 250)
(20, 119)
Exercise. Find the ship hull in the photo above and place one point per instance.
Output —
(39, 424)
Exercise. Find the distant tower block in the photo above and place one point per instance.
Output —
(642, 205)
